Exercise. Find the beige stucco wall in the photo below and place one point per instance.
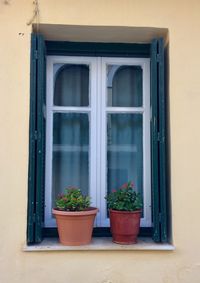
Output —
(182, 19)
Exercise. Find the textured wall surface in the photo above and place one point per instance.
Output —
(182, 19)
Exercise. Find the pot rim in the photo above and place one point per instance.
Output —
(125, 211)
(89, 211)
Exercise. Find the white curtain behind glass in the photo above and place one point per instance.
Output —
(124, 131)
(71, 86)
(71, 131)
(124, 86)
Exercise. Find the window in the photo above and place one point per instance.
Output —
(104, 124)
(97, 129)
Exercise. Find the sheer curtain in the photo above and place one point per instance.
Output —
(71, 85)
(124, 130)
(124, 86)
(71, 131)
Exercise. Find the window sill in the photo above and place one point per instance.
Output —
(100, 244)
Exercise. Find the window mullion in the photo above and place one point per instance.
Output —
(99, 180)
(93, 134)
(103, 206)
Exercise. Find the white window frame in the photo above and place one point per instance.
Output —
(97, 112)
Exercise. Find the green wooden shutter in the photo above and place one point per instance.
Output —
(36, 141)
(40, 171)
(154, 142)
(162, 140)
(158, 141)
(32, 144)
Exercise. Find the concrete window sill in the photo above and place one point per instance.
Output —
(100, 244)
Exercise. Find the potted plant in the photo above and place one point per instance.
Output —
(125, 212)
(74, 217)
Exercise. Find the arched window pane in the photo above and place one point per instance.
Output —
(124, 86)
(71, 85)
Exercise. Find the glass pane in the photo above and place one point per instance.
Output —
(124, 86)
(71, 85)
(124, 151)
(70, 152)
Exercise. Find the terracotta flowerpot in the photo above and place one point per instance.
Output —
(125, 226)
(75, 227)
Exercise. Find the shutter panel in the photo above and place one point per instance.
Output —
(40, 171)
(158, 141)
(162, 140)
(36, 140)
(32, 144)
(154, 142)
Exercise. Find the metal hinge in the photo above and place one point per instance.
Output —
(160, 217)
(158, 58)
(34, 217)
(158, 136)
(36, 135)
(36, 55)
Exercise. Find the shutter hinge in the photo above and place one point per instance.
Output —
(34, 218)
(36, 55)
(158, 136)
(160, 217)
(36, 135)
(158, 58)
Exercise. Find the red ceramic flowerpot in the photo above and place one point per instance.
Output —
(125, 226)
(75, 227)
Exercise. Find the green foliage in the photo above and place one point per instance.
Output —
(125, 198)
(72, 200)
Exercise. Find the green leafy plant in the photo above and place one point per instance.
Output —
(72, 200)
(125, 198)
